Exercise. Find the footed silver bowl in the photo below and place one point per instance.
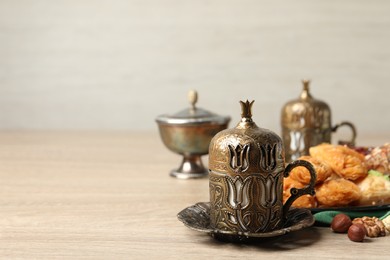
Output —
(189, 133)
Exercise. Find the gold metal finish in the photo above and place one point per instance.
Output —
(189, 133)
(246, 170)
(306, 122)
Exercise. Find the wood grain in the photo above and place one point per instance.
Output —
(108, 195)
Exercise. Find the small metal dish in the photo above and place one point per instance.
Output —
(197, 217)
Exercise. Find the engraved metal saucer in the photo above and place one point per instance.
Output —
(197, 217)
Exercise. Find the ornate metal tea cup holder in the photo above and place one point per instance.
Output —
(197, 217)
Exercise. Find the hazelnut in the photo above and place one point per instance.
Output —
(341, 223)
(374, 226)
(356, 232)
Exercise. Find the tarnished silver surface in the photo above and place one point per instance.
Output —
(197, 217)
(189, 133)
(192, 116)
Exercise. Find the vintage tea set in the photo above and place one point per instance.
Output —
(247, 166)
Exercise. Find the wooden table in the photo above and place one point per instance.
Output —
(108, 195)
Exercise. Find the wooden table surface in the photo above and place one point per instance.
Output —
(108, 195)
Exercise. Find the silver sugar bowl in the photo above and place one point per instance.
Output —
(189, 133)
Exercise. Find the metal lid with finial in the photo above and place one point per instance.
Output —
(193, 114)
(306, 111)
(245, 134)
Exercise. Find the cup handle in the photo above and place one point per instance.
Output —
(296, 193)
(353, 129)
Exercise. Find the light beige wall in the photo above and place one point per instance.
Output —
(100, 64)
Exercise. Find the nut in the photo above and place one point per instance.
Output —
(374, 226)
(341, 223)
(359, 221)
(356, 232)
(386, 222)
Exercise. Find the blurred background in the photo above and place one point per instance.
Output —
(117, 65)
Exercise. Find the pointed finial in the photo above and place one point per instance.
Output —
(306, 84)
(246, 109)
(306, 91)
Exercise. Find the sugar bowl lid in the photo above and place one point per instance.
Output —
(192, 115)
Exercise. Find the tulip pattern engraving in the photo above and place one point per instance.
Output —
(243, 202)
(238, 199)
(268, 158)
(297, 144)
(304, 125)
(239, 157)
(246, 171)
